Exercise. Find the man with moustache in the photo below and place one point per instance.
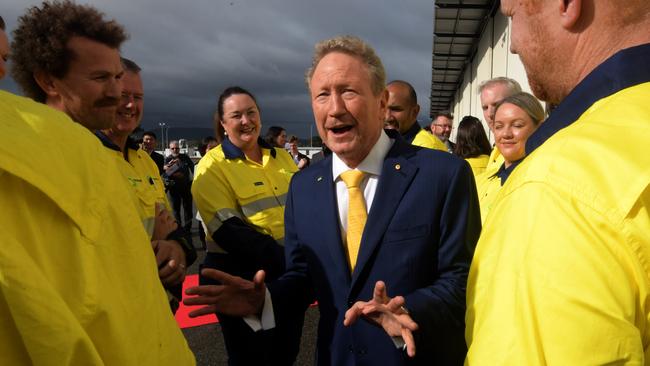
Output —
(561, 273)
(407, 229)
(79, 284)
(172, 248)
(402, 111)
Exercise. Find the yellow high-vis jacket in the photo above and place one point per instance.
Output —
(78, 282)
(561, 273)
(238, 197)
(496, 159)
(478, 164)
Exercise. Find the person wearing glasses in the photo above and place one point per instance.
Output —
(179, 168)
(441, 128)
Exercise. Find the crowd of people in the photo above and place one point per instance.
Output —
(418, 250)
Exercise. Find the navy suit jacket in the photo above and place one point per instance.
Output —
(419, 239)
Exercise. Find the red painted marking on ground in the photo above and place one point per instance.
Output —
(182, 317)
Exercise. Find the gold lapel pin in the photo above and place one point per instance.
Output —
(398, 167)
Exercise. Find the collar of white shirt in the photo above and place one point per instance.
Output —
(372, 164)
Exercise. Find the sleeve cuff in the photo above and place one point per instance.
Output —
(266, 320)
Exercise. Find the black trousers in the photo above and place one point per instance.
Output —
(274, 347)
(181, 195)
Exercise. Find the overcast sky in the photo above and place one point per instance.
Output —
(191, 50)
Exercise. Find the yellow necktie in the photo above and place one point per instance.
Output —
(356, 214)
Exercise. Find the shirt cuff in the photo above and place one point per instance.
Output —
(399, 342)
(267, 319)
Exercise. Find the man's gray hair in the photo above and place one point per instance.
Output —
(353, 46)
(512, 84)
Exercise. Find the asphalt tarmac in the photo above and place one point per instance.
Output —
(206, 341)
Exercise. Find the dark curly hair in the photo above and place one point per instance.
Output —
(41, 37)
(471, 140)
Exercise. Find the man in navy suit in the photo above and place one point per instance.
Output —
(421, 227)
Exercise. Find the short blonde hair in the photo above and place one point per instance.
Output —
(353, 46)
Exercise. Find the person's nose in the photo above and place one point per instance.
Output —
(336, 105)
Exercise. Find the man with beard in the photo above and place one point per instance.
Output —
(441, 128)
(179, 167)
(79, 285)
(561, 275)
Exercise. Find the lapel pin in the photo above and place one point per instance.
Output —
(319, 179)
(398, 167)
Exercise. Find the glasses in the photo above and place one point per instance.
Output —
(174, 148)
(446, 127)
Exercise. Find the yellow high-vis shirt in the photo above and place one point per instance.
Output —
(496, 160)
(425, 139)
(143, 179)
(478, 164)
(488, 185)
(226, 187)
(561, 273)
(78, 282)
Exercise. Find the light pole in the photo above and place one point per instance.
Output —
(162, 135)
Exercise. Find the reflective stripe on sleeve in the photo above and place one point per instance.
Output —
(149, 224)
(263, 204)
(221, 216)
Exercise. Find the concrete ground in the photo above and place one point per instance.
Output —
(207, 341)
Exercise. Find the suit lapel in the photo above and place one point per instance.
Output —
(396, 176)
(326, 217)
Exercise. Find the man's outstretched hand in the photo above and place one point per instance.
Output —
(235, 296)
(387, 313)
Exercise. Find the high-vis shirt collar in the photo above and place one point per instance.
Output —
(230, 151)
(624, 69)
(130, 142)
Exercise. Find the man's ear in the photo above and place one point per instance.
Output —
(570, 12)
(383, 102)
(46, 82)
(416, 111)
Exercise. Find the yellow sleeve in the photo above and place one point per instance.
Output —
(214, 198)
(557, 286)
(425, 139)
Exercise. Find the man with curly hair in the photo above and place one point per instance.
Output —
(66, 56)
(78, 281)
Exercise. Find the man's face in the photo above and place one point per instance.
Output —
(149, 143)
(441, 127)
(129, 111)
(90, 91)
(490, 97)
(4, 53)
(173, 147)
(401, 110)
(535, 41)
(349, 116)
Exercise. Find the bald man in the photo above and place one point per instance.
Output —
(561, 275)
(402, 111)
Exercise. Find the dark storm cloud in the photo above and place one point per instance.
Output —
(190, 51)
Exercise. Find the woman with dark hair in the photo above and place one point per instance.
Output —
(276, 136)
(240, 189)
(472, 144)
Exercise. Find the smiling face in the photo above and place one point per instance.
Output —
(349, 116)
(129, 112)
(401, 111)
(512, 127)
(91, 89)
(241, 120)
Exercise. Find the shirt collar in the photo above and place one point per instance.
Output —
(503, 173)
(624, 69)
(412, 132)
(373, 162)
(230, 151)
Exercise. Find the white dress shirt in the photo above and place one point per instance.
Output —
(371, 165)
